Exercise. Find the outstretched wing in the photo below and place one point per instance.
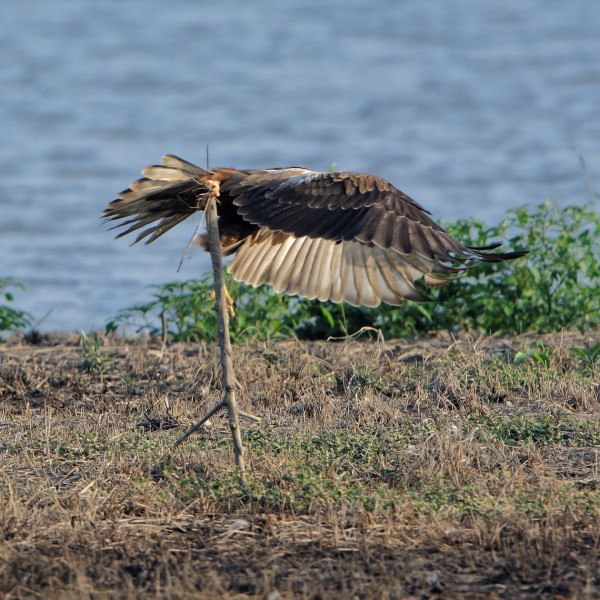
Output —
(346, 207)
(344, 237)
(333, 236)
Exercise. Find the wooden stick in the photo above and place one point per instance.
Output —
(216, 408)
(228, 376)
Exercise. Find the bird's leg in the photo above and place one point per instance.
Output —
(229, 301)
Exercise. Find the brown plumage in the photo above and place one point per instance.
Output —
(333, 236)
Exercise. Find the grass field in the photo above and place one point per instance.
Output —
(450, 468)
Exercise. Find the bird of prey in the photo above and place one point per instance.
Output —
(343, 237)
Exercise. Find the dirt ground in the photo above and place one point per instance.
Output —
(439, 468)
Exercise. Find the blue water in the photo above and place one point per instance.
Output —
(470, 107)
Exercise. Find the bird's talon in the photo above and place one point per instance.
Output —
(229, 301)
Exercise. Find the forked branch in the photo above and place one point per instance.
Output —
(228, 376)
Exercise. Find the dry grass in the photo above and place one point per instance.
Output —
(437, 468)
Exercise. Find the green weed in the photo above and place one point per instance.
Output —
(588, 356)
(538, 431)
(537, 352)
(93, 359)
(187, 310)
(12, 319)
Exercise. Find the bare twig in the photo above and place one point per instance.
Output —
(193, 239)
(228, 375)
(207, 416)
(249, 416)
(201, 422)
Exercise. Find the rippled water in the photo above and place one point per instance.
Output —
(469, 107)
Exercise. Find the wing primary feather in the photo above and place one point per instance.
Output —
(325, 273)
(376, 278)
(257, 264)
(288, 263)
(320, 266)
(263, 274)
(369, 293)
(276, 267)
(350, 292)
(337, 272)
(308, 269)
(295, 274)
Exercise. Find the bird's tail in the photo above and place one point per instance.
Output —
(168, 193)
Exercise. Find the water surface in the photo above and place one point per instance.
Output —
(469, 107)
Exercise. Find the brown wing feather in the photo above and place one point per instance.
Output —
(350, 206)
(319, 268)
(343, 207)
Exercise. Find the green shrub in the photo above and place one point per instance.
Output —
(187, 310)
(554, 287)
(11, 319)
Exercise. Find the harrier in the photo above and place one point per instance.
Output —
(343, 237)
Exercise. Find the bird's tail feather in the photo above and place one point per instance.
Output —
(193, 171)
(166, 195)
